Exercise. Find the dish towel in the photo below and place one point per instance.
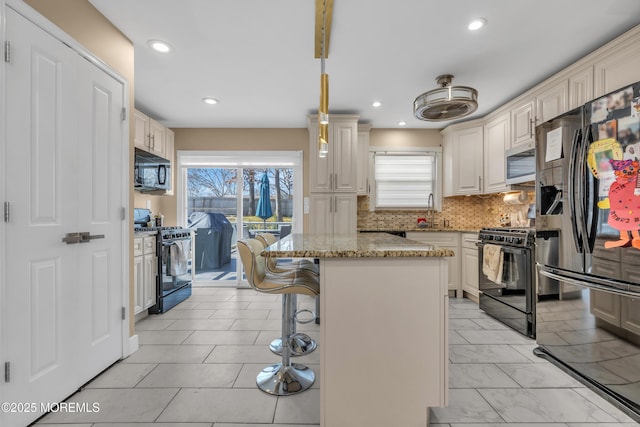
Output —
(492, 263)
(179, 252)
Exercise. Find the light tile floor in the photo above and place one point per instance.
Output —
(197, 363)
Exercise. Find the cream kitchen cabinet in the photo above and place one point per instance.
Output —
(145, 267)
(337, 172)
(149, 135)
(497, 132)
(544, 104)
(470, 266)
(616, 67)
(580, 87)
(463, 159)
(444, 240)
(362, 167)
(333, 213)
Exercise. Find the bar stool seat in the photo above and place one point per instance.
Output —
(283, 378)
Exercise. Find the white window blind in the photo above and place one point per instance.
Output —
(404, 180)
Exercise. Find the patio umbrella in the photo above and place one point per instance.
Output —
(263, 210)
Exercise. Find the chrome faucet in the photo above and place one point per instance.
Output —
(430, 212)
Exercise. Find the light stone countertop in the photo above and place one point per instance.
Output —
(360, 245)
(424, 230)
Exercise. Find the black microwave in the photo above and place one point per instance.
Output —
(151, 173)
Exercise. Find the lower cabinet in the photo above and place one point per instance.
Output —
(145, 271)
(470, 264)
(444, 240)
(617, 310)
(333, 213)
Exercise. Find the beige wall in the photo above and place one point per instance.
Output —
(405, 138)
(84, 23)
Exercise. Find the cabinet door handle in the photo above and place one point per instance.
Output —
(335, 205)
(532, 126)
(335, 181)
(330, 181)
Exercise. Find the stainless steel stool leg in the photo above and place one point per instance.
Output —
(301, 344)
(285, 378)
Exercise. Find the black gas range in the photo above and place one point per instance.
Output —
(174, 247)
(506, 268)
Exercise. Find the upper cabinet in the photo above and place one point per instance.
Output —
(522, 120)
(580, 87)
(463, 153)
(362, 168)
(496, 141)
(337, 171)
(149, 135)
(616, 67)
(539, 107)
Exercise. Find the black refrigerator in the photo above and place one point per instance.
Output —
(588, 202)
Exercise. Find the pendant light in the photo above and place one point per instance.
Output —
(323, 110)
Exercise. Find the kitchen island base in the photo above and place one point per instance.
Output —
(384, 340)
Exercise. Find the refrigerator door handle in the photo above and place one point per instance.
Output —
(590, 210)
(574, 214)
(595, 283)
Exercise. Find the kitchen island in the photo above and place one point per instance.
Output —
(384, 329)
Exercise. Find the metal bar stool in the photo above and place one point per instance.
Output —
(284, 378)
(301, 344)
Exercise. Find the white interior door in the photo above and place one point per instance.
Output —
(62, 149)
(99, 195)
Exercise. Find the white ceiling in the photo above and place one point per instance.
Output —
(257, 56)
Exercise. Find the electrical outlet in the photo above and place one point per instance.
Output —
(149, 204)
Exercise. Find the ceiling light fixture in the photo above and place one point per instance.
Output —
(446, 102)
(476, 24)
(376, 104)
(160, 46)
(210, 101)
(323, 110)
(402, 123)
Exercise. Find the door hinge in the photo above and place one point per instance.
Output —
(123, 213)
(123, 114)
(7, 51)
(7, 372)
(7, 209)
(124, 313)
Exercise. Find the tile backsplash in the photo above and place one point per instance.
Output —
(462, 212)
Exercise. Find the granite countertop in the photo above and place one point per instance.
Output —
(425, 229)
(365, 245)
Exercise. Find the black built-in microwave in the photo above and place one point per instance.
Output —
(152, 174)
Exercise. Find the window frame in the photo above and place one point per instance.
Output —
(437, 187)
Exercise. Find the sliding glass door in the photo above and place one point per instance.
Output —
(223, 204)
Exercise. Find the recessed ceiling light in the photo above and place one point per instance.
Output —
(210, 101)
(401, 123)
(160, 46)
(376, 104)
(476, 24)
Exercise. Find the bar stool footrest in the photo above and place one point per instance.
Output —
(300, 344)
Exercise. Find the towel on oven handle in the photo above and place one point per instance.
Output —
(179, 253)
(492, 262)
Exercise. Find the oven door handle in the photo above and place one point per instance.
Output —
(172, 241)
(504, 248)
(598, 284)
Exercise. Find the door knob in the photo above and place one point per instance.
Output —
(81, 237)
